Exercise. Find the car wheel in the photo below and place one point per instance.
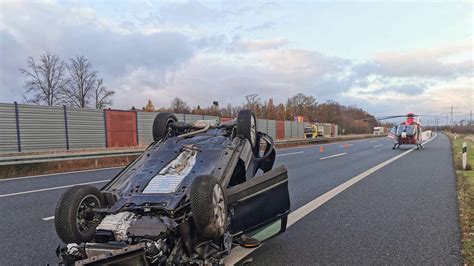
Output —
(209, 207)
(74, 224)
(161, 125)
(247, 126)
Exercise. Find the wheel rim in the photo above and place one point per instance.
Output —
(253, 131)
(219, 206)
(83, 224)
(168, 122)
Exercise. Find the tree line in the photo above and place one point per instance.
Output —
(52, 81)
(352, 119)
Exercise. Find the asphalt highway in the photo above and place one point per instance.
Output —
(404, 212)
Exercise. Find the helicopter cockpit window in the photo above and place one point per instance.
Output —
(408, 129)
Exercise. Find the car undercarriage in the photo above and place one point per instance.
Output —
(193, 194)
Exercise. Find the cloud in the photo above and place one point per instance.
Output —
(279, 75)
(113, 53)
(303, 61)
(407, 89)
(160, 51)
(187, 13)
(268, 6)
(221, 43)
(191, 14)
(257, 45)
(422, 63)
(10, 83)
(264, 26)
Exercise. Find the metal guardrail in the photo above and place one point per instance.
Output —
(15, 160)
(65, 157)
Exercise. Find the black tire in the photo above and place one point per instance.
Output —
(68, 211)
(209, 211)
(247, 126)
(161, 125)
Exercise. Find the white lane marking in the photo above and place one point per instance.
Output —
(380, 145)
(290, 153)
(48, 218)
(346, 145)
(238, 253)
(335, 155)
(62, 173)
(51, 188)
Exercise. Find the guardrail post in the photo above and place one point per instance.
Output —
(66, 127)
(136, 125)
(464, 155)
(105, 129)
(17, 119)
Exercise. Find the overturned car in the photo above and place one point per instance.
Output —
(199, 189)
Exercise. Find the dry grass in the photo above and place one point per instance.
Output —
(465, 186)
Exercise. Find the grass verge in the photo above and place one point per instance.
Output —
(465, 186)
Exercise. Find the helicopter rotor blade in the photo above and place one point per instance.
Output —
(390, 117)
(440, 116)
(397, 116)
(381, 118)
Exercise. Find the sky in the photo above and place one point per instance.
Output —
(387, 57)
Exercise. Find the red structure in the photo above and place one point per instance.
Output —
(225, 119)
(280, 129)
(121, 128)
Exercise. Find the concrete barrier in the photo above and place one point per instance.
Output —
(426, 135)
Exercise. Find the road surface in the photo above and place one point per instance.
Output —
(401, 210)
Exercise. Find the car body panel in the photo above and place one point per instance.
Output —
(260, 201)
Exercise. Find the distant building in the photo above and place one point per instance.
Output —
(379, 130)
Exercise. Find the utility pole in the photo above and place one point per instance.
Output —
(436, 121)
(446, 115)
(452, 114)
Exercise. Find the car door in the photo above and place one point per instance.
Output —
(260, 202)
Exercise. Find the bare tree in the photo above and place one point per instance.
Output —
(103, 96)
(179, 106)
(253, 103)
(82, 82)
(301, 104)
(227, 111)
(45, 80)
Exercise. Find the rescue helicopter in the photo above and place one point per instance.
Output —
(408, 132)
